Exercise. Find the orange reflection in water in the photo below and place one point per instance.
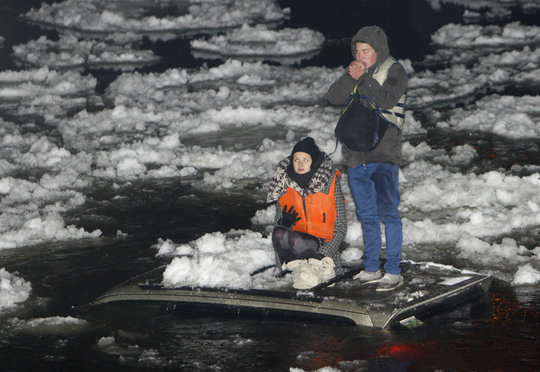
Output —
(507, 311)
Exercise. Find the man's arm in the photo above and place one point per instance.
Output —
(340, 90)
(387, 95)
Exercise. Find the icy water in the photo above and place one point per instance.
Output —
(501, 335)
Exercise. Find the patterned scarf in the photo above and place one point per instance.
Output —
(320, 182)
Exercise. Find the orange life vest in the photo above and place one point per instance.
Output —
(317, 211)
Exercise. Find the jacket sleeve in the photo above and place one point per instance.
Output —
(340, 90)
(387, 95)
(278, 212)
(331, 248)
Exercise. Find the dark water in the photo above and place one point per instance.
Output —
(67, 276)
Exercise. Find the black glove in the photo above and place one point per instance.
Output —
(288, 218)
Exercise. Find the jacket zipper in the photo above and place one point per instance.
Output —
(305, 211)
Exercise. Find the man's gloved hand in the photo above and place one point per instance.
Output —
(288, 217)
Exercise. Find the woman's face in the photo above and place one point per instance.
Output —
(302, 162)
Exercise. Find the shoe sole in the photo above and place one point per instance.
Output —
(372, 281)
(400, 284)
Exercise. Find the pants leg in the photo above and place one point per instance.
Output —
(364, 194)
(388, 198)
(292, 245)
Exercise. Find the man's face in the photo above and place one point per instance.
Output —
(365, 54)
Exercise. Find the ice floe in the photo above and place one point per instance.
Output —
(44, 94)
(69, 52)
(514, 117)
(102, 17)
(13, 290)
(55, 325)
(258, 42)
(487, 10)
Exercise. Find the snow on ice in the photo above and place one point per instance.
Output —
(55, 325)
(512, 35)
(13, 290)
(62, 137)
(70, 52)
(103, 17)
(526, 275)
(488, 9)
(260, 42)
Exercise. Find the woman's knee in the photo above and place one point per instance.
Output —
(303, 245)
(278, 233)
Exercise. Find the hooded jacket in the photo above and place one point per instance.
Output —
(385, 96)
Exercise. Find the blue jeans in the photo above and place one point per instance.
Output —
(374, 188)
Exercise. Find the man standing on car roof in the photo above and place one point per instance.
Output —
(373, 175)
